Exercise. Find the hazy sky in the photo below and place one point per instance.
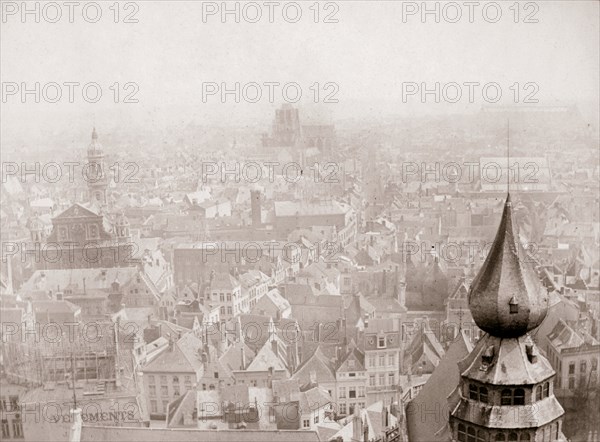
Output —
(369, 53)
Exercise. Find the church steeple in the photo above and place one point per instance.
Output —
(95, 172)
(507, 298)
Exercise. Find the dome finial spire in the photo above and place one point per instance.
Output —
(94, 134)
(507, 159)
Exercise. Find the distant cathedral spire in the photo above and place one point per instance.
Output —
(95, 173)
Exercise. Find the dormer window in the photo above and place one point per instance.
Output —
(514, 305)
(381, 342)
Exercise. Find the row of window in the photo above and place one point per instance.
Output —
(306, 422)
(391, 360)
(10, 404)
(391, 379)
(586, 382)
(350, 409)
(352, 392)
(154, 406)
(14, 428)
(508, 396)
(467, 433)
(163, 379)
(164, 390)
(583, 366)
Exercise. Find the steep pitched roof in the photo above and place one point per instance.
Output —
(433, 396)
(183, 357)
(266, 358)
(317, 363)
(510, 364)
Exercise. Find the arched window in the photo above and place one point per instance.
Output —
(538, 393)
(481, 436)
(547, 434)
(546, 389)
(525, 437)
(556, 430)
(471, 434)
(483, 395)
(462, 437)
(473, 392)
(519, 397)
(513, 437)
(500, 437)
(506, 397)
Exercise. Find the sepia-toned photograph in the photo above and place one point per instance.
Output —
(300, 221)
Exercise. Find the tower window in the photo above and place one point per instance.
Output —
(473, 392)
(538, 393)
(514, 305)
(513, 437)
(462, 437)
(546, 389)
(483, 395)
(500, 437)
(481, 436)
(471, 435)
(519, 397)
(525, 437)
(506, 397)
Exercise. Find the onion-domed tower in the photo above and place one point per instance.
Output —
(506, 387)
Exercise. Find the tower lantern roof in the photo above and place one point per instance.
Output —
(507, 298)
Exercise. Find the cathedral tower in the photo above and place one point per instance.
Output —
(506, 390)
(95, 175)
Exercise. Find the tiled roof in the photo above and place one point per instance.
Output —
(183, 357)
(265, 359)
(224, 281)
(292, 208)
(314, 399)
(423, 426)
(104, 433)
(317, 363)
(510, 364)
(95, 279)
(42, 307)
